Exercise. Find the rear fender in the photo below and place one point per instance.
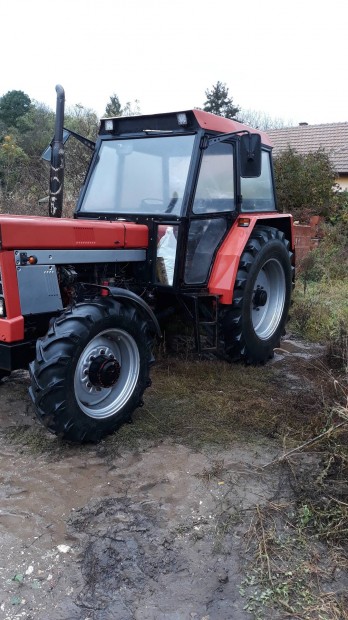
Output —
(224, 272)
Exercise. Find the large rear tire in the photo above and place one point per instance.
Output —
(91, 370)
(252, 326)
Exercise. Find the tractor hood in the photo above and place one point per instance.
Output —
(48, 233)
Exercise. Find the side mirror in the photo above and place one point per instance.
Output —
(47, 154)
(250, 155)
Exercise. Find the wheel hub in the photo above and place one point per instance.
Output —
(260, 297)
(104, 371)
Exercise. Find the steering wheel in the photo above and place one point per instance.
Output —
(172, 203)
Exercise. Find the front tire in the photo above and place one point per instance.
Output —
(252, 326)
(91, 370)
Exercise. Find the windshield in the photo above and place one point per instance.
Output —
(140, 175)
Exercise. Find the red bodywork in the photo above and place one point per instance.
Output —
(18, 232)
(224, 272)
(211, 122)
(39, 233)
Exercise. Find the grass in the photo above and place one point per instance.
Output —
(297, 555)
(196, 403)
(291, 573)
(214, 403)
(320, 309)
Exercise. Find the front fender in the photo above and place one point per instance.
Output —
(135, 300)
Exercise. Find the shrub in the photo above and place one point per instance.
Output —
(320, 301)
(305, 184)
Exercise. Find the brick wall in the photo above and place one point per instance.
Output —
(307, 237)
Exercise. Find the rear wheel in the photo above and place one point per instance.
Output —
(252, 326)
(91, 370)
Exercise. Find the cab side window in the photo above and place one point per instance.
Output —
(215, 186)
(258, 192)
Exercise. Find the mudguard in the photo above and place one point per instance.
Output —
(135, 300)
(224, 272)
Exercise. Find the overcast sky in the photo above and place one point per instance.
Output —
(286, 59)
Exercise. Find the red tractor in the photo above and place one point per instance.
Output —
(177, 216)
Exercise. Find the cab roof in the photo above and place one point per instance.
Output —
(212, 122)
(168, 122)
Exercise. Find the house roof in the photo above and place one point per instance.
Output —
(332, 137)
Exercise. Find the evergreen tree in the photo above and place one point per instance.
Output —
(114, 107)
(218, 101)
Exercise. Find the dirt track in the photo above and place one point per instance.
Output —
(142, 535)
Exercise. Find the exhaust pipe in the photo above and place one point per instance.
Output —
(57, 159)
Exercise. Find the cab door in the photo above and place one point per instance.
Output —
(213, 207)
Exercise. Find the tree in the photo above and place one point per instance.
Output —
(12, 164)
(261, 120)
(13, 106)
(114, 107)
(36, 129)
(83, 121)
(218, 101)
(131, 109)
(305, 183)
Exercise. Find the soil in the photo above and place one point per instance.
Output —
(152, 533)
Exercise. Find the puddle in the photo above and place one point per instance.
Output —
(297, 349)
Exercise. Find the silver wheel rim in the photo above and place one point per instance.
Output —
(104, 402)
(271, 281)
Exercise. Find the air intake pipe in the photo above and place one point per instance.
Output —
(57, 159)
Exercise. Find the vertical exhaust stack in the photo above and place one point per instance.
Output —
(57, 159)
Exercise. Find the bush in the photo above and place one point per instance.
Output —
(305, 184)
(320, 301)
(337, 349)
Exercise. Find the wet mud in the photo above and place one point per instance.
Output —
(145, 535)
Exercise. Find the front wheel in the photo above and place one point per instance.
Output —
(252, 326)
(91, 370)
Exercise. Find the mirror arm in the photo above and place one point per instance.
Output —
(225, 136)
(88, 143)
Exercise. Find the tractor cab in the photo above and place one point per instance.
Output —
(188, 176)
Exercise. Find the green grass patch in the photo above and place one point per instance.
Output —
(289, 574)
(320, 309)
(214, 403)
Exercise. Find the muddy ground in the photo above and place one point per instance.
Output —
(152, 532)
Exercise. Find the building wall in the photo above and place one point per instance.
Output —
(343, 181)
